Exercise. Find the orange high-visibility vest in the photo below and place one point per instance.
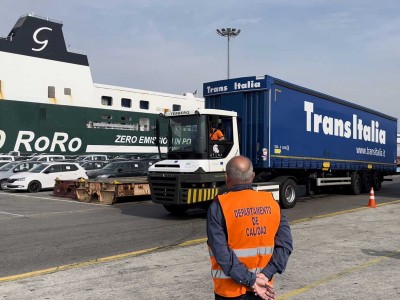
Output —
(216, 135)
(252, 220)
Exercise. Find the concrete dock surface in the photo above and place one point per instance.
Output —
(350, 255)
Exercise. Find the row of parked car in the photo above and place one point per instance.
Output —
(41, 171)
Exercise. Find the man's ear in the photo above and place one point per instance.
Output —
(252, 177)
(227, 181)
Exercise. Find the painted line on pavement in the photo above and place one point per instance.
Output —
(96, 261)
(76, 265)
(145, 251)
(337, 276)
(49, 213)
(16, 215)
(53, 199)
(341, 212)
(63, 212)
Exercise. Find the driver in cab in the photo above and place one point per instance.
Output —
(216, 134)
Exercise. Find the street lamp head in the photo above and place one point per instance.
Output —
(228, 32)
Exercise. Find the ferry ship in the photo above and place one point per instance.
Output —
(49, 103)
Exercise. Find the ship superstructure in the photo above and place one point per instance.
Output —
(49, 103)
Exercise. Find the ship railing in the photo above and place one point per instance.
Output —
(40, 17)
(112, 126)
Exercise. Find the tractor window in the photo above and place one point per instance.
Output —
(220, 148)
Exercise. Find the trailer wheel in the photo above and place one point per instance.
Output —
(176, 210)
(366, 182)
(376, 181)
(355, 184)
(287, 194)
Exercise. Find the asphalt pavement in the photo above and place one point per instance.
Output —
(347, 255)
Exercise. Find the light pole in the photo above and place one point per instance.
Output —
(228, 33)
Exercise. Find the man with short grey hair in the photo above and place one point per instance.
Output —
(248, 237)
(240, 169)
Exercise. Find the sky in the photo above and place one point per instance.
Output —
(349, 49)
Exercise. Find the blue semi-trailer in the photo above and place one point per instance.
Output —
(293, 135)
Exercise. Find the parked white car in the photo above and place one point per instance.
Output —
(14, 167)
(47, 157)
(4, 157)
(85, 157)
(44, 175)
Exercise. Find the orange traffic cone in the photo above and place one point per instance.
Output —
(371, 202)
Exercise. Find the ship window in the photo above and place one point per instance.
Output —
(125, 102)
(144, 124)
(126, 118)
(106, 100)
(51, 91)
(144, 104)
(176, 107)
(106, 117)
(67, 91)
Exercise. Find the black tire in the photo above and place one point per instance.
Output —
(176, 210)
(355, 184)
(366, 182)
(3, 184)
(34, 186)
(287, 194)
(376, 181)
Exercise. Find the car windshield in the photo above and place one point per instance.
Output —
(38, 168)
(36, 158)
(80, 158)
(112, 166)
(127, 156)
(157, 156)
(8, 166)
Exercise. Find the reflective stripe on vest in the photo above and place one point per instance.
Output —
(221, 275)
(249, 252)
